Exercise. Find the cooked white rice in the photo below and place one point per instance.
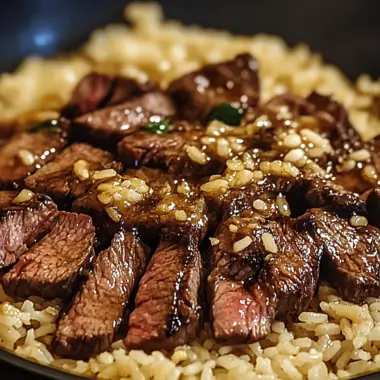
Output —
(334, 339)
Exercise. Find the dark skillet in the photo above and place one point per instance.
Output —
(345, 32)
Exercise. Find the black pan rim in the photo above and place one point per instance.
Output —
(52, 373)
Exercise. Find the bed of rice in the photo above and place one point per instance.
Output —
(334, 339)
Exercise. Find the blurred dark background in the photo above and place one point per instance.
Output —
(347, 32)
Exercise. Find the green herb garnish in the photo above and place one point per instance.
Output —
(227, 113)
(46, 126)
(157, 127)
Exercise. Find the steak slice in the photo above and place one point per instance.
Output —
(169, 152)
(42, 147)
(22, 224)
(52, 267)
(245, 303)
(351, 260)
(167, 202)
(167, 312)
(97, 90)
(107, 126)
(58, 178)
(235, 81)
(88, 327)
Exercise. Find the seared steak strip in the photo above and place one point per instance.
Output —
(22, 224)
(59, 178)
(52, 267)
(25, 152)
(151, 201)
(88, 327)
(351, 260)
(235, 81)
(172, 151)
(245, 303)
(107, 126)
(167, 309)
(97, 90)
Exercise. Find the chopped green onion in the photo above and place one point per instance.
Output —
(157, 127)
(46, 126)
(227, 113)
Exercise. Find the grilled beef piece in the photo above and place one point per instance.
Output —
(373, 207)
(168, 152)
(100, 90)
(351, 259)
(58, 179)
(88, 327)
(314, 192)
(152, 213)
(42, 147)
(106, 127)
(246, 300)
(22, 224)
(167, 312)
(235, 81)
(52, 267)
(345, 140)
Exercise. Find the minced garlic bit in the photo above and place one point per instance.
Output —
(214, 241)
(316, 139)
(297, 157)
(196, 155)
(23, 196)
(358, 221)
(222, 147)
(292, 141)
(218, 185)
(81, 170)
(369, 173)
(269, 243)
(26, 157)
(242, 244)
(233, 227)
(360, 155)
(242, 178)
(259, 204)
(180, 215)
(283, 205)
(278, 167)
(104, 174)
(113, 214)
(235, 165)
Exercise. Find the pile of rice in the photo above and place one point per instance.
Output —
(334, 339)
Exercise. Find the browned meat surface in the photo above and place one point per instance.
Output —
(167, 309)
(317, 192)
(52, 267)
(155, 209)
(58, 178)
(88, 327)
(245, 303)
(22, 224)
(97, 90)
(351, 260)
(40, 148)
(168, 152)
(235, 81)
(107, 126)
